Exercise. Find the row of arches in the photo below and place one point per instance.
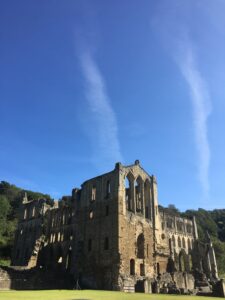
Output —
(180, 242)
(138, 195)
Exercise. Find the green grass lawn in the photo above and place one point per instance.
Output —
(88, 295)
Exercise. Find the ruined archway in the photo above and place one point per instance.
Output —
(183, 261)
(132, 267)
(141, 246)
(129, 182)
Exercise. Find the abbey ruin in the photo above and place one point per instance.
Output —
(112, 234)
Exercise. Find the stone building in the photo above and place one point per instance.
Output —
(112, 234)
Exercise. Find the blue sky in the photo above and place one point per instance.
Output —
(84, 84)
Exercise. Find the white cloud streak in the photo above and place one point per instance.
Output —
(171, 24)
(103, 129)
(201, 110)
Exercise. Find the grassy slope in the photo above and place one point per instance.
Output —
(88, 295)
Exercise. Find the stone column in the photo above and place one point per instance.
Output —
(132, 195)
(213, 262)
(142, 199)
(195, 229)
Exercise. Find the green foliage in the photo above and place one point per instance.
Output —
(212, 222)
(5, 262)
(10, 199)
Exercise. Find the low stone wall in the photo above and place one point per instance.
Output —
(32, 279)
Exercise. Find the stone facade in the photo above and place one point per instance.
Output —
(111, 234)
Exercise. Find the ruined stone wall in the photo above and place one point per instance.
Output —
(136, 233)
(177, 240)
(110, 234)
(95, 257)
(29, 233)
(56, 251)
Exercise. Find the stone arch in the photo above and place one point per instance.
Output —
(128, 183)
(170, 268)
(179, 242)
(132, 267)
(141, 246)
(174, 241)
(183, 261)
(189, 245)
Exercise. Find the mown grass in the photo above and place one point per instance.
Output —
(88, 295)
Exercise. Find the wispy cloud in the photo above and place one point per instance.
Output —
(172, 25)
(201, 108)
(103, 129)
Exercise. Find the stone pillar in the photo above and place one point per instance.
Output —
(142, 199)
(156, 218)
(132, 195)
(213, 262)
(175, 224)
(195, 229)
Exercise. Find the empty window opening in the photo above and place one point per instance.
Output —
(128, 194)
(132, 267)
(91, 214)
(181, 262)
(183, 243)
(147, 193)
(189, 228)
(138, 194)
(179, 242)
(189, 245)
(106, 243)
(142, 270)
(140, 246)
(89, 245)
(107, 210)
(180, 226)
(60, 260)
(158, 269)
(146, 212)
(93, 193)
(108, 188)
(174, 241)
(25, 213)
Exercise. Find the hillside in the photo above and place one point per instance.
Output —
(11, 197)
